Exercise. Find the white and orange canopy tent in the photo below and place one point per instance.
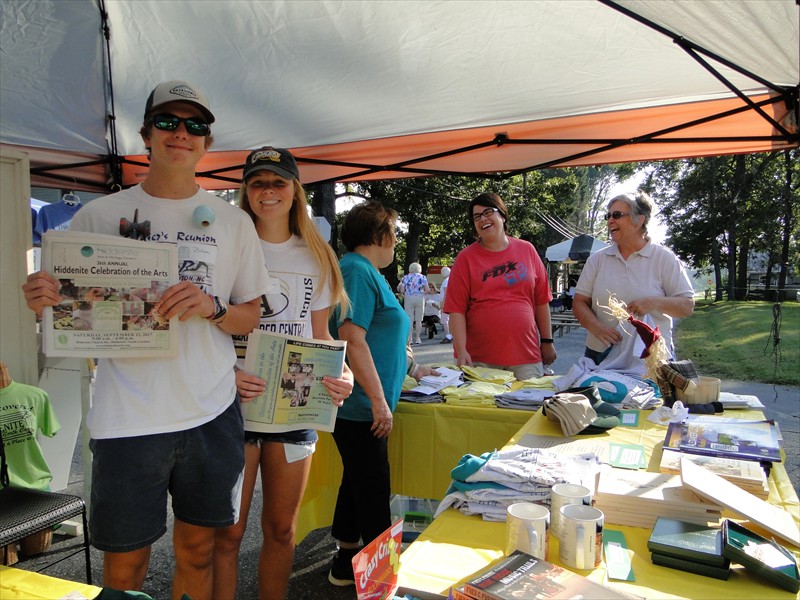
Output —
(382, 89)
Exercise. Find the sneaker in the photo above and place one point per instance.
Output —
(447, 341)
(341, 573)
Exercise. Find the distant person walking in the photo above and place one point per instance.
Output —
(448, 338)
(413, 286)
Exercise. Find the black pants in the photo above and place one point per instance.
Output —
(362, 507)
(430, 322)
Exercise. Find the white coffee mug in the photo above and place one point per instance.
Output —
(563, 494)
(581, 543)
(527, 529)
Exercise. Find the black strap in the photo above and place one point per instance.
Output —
(3, 463)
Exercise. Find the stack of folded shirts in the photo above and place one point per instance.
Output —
(523, 398)
(474, 393)
(497, 376)
(547, 382)
(488, 484)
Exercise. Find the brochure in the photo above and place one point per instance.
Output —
(293, 368)
(376, 566)
(748, 440)
(110, 287)
(431, 384)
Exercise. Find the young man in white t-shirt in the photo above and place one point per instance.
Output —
(172, 425)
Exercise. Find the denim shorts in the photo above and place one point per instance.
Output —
(297, 445)
(299, 436)
(200, 468)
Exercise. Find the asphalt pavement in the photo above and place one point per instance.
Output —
(313, 555)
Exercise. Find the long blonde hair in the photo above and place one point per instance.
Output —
(301, 225)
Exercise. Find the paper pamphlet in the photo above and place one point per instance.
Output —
(431, 384)
(110, 287)
(295, 397)
(376, 566)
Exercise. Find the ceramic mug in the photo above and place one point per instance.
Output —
(563, 494)
(581, 543)
(527, 529)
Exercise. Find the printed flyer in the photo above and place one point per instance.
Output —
(110, 288)
(293, 369)
(376, 566)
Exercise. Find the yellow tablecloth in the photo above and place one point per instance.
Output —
(16, 584)
(454, 547)
(426, 443)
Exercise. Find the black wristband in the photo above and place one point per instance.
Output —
(546, 340)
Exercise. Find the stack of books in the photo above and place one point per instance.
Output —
(688, 547)
(727, 438)
(521, 575)
(747, 474)
(638, 498)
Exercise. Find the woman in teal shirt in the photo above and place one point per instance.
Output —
(376, 330)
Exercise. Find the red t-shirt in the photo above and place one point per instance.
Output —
(497, 293)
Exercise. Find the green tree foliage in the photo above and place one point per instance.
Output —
(434, 210)
(720, 209)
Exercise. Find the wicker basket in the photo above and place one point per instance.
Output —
(707, 391)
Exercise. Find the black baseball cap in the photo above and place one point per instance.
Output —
(277, 160)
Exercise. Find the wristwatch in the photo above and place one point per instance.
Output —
(546, 340)
(220, 310)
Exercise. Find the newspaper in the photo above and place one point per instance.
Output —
(110, 288)
(295, 397)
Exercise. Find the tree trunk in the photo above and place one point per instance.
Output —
(742, 275)
(412, 243)
(788, 225)
(323, 204)
(715, 256)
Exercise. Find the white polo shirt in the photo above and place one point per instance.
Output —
(652, 271)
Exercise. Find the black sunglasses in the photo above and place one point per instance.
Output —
(616, 215)
(168, 122)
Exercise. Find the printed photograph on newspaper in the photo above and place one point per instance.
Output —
(110, 289)
(293, 369)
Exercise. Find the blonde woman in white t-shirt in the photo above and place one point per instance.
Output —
(311, 284)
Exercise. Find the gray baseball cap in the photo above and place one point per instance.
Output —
(178, 91)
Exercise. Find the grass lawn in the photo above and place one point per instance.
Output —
(733, 340)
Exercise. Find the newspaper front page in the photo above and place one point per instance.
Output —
(110, 288)
(295, 397)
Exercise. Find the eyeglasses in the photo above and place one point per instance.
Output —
(484, 213)
(168, 122)
(616, 215)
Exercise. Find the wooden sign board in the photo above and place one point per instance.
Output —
(713, 487)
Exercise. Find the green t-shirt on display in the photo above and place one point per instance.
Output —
(25, 410)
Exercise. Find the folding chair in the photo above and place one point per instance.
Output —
(24, 512)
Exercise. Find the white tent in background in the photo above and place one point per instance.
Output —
(575, 249)
(378, 90)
